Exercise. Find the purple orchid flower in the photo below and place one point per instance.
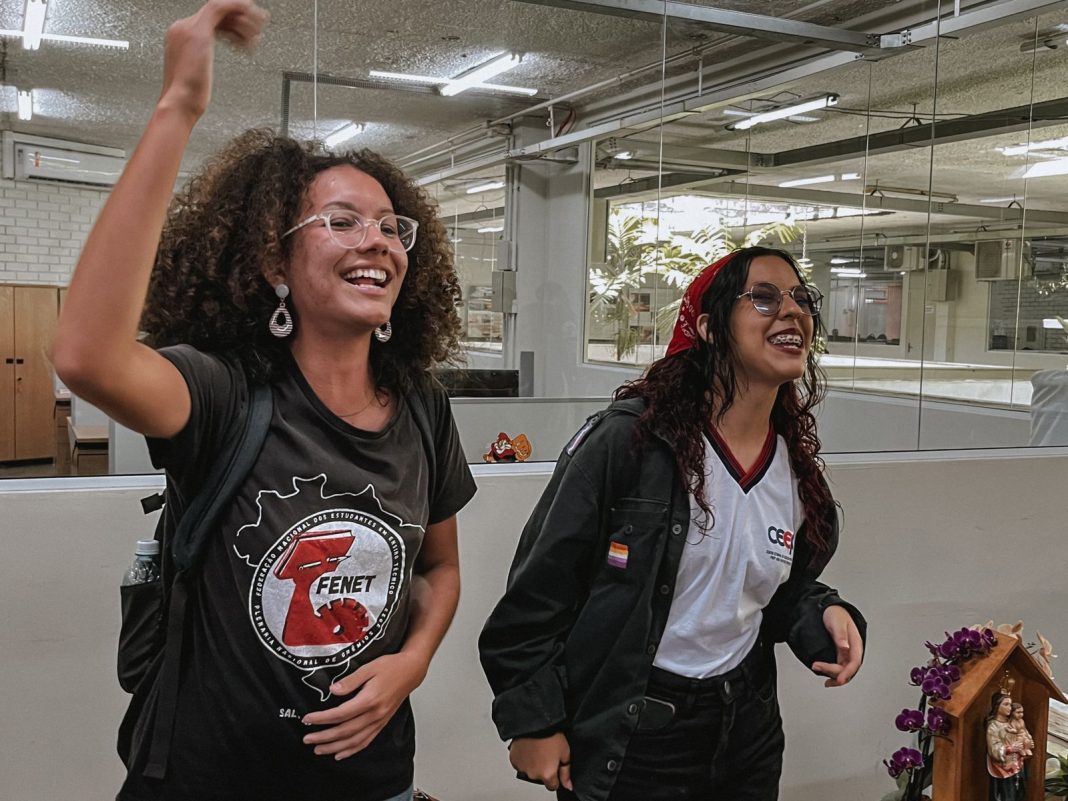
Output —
(909, 720)
(935, 686)
(937, 720)
(903, 759)
(951, 673)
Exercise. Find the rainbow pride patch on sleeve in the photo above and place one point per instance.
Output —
(617, 555)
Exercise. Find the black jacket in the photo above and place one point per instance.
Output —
(569, 646)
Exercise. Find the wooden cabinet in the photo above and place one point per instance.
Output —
(28, 316)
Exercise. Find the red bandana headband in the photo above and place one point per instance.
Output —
(685, 334)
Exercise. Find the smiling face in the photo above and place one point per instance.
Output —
(337, 291)
(770, 350)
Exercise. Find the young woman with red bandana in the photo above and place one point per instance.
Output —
(680, 537)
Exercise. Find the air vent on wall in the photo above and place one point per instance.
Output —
(903, 258)
(40, 159)
(1000, 259)
(1049, 265)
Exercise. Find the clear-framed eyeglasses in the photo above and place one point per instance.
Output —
(767, 298)
(348, 229)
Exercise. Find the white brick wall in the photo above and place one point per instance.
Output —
(42, 229)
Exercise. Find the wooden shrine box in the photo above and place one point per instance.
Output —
(960, 772)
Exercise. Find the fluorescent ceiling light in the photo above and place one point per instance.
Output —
(491, 69)
(844, 260)
(486, 187)
(491, 229)
(1031, 46)
(737, 112)
(25, 105)
(1045, 144)
(496, 87)
(819, 179)
(624, 155)
(881, 189)
(343, 134)
(1044, 169)
(33, 23)
(814, 104)
(845, 272)
(1005, 199)
(404, 76)
(86, 40)
(427, 79)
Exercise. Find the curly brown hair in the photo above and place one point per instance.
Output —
(225, 227)
(685, 391)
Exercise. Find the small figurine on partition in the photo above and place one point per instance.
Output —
(505, 449)
(1008, 744)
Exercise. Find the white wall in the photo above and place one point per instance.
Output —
(931, 543)
(859, 422)
(42, 229)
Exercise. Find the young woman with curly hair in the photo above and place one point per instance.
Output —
(329, 579)
(680, 537)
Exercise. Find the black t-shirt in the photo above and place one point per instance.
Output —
(307, 579)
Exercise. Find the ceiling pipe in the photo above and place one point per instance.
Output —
(694, 53)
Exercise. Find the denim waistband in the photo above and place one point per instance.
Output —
(752, 669)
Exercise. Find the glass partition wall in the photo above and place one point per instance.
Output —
(923, 197)
(919, 182)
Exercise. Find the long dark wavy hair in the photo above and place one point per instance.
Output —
(208, 287)
(685, 391)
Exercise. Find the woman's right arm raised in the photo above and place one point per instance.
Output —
(96, 351)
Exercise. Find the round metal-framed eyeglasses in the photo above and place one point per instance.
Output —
(767, 298)
(349, 230)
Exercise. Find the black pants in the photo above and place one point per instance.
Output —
(714, 739)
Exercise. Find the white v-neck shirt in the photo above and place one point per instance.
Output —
(728, 573)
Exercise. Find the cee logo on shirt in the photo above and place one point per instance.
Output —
(777, 536)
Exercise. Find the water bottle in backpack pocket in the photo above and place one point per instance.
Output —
(142, 609)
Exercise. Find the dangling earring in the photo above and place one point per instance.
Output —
(383, 333)
(281, 323)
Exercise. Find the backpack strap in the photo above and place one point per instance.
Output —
(196, 525)
(222, 482)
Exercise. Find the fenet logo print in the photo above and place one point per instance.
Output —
(325, 590)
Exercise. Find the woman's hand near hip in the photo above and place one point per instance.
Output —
(849, 647)
(543, 760)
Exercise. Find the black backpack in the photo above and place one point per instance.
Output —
(153, 614)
